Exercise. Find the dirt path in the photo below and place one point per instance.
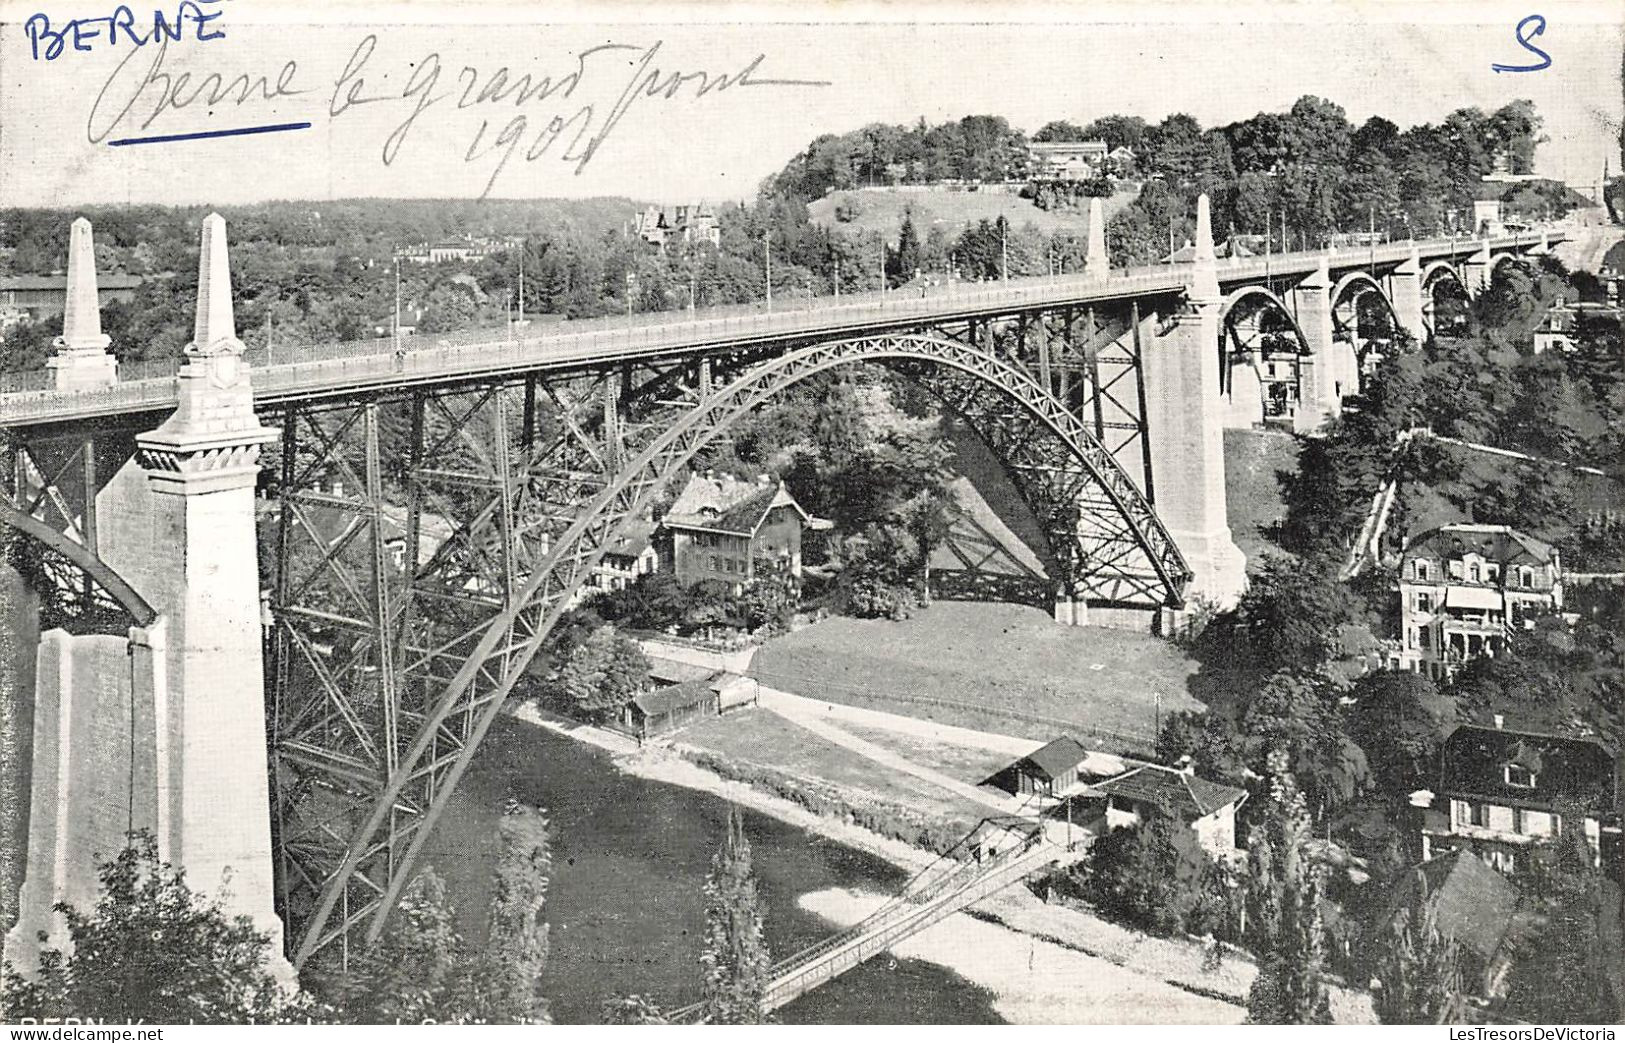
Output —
(815, 723)
(798, 707)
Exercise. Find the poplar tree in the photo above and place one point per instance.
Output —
(734, 959)
(1289, 989)
(516, 949)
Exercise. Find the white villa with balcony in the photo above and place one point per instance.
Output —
(1466, 589)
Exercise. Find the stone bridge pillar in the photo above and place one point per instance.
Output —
(1319, 395)
(1404, 287)
(1476, 270)
(177, 523)
(1184, 414)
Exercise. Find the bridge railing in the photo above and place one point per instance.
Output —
(282, 370)
(289, 369)
(850, 951)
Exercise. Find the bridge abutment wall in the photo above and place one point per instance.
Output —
(177, 523)
(93, 777)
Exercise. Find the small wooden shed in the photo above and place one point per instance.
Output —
(1051, 768)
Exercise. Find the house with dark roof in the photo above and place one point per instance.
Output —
(1473, 906)
(725, 528)
(626, 557)
(1465, 590)
(1207, 807)
(1500, 792)
(43, 296)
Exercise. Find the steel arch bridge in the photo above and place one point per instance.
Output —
(386, 683)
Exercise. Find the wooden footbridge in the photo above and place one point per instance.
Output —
(998, 853)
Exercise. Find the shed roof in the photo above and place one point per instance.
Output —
(1055, 758)
(673, 671)
(1472, 903)
(674, 697)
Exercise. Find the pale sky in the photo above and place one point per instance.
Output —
(891, 63)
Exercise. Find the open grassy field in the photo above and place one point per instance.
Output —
(880, 210)
(762, 737)
(968, 764)
(1252, 490)
(997, 666)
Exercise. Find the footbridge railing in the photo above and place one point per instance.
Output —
(947, 886)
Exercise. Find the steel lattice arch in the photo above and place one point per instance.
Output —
(387, 678)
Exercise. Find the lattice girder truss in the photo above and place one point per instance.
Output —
(49, 497)
(358, 794)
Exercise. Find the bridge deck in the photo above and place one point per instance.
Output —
(314, 371)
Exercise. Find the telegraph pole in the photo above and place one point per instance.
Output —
(522, 279)
(767, 262)
(837, 279)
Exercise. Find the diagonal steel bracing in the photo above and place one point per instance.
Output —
(465, 520)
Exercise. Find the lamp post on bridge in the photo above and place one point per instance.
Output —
(767, 263)
(397, 331)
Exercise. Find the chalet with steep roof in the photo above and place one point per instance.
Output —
(725, 529)
(1500, 792)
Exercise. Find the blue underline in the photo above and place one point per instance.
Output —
(269, 128)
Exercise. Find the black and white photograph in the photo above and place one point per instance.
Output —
(768, 513)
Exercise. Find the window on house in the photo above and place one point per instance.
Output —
(712, 562)
(1478, 814)
(1493, 571)
(1518, 775)
(1472, 572)
(1422, 639)
(1517, 820)
(1526, 577)
(1421, 569)
(1424, 602)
